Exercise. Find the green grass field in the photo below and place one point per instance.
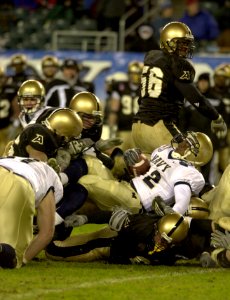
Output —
(46, 279)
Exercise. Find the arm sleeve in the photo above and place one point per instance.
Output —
(192, 94)
(182, 197)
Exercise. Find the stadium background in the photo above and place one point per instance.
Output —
(98, 66)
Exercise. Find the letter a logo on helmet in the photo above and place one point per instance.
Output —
(38, 139)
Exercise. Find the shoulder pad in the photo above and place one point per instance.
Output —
(183, 70)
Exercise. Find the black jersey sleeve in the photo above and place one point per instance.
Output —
(183, 70)
(38, 137)
(201, 103)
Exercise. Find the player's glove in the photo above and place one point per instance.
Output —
(220, 239)
(103, 145)
(63, 158)
(52, 162)
(76, 147)
(75, 220)
(219, 127)
(206, 260)
(119, 219)
(160, 207)
(132, 156)
(139, 260)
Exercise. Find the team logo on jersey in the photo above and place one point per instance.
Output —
(186, 75)
(38, 139)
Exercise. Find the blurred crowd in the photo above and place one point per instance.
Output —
(208, 20)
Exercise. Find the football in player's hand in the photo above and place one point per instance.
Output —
(141, 167)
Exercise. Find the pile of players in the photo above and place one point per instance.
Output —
(153, 196)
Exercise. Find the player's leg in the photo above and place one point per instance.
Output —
(83, 247)
(218, 198)
(17, 209)
(148, 138)
(108, 194)
(96, 167)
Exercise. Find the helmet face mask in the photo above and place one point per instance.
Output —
(31, 96)
(176, 38)
(205, 152)
(190, 141)
(184, 48)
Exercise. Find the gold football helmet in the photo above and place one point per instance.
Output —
(221, 75)
(50, 61)
(222, 70)
(198, 209)
(134, 71)
(18, 59)
(173, 227)
(177, 38)
(205, 152)
(34, 91)
(65, 123)
(87, 104)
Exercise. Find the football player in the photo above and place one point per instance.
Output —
(20, 70)
(89, 108)
(50, 68)
(41, 141)
(42, 136)
(26, 185)
(31, 100)
(123, 104)
(129, 238)
(170, 174)
(167, 79)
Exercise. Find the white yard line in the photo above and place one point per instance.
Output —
(105, 282)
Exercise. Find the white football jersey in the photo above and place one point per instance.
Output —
(41, 176)
(33, 117)
(164, 174)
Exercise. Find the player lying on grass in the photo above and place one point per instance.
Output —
(137, 238)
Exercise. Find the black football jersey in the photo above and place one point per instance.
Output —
(166, 81)
(37, 136)
(128, 96)
(7, 94)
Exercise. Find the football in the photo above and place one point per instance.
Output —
(141, 167)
